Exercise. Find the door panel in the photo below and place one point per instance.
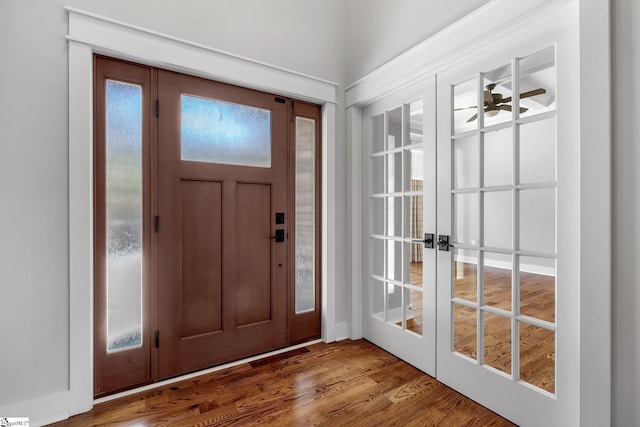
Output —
(222, 176)
(253, 289)
(200, 257)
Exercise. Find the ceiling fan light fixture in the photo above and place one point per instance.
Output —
(491, 113)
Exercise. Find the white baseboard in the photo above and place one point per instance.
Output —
(526, 268)
(342, 331)
(40, 410)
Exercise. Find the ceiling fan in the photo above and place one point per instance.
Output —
(494, 102)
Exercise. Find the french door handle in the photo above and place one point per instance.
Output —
(443, 243)
(427, 241)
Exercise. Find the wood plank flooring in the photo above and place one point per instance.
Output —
(350, 383)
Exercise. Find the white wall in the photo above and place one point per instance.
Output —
(301, 35)
(626, 209)
(378, 31)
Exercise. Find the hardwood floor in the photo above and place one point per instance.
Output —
(350, 383)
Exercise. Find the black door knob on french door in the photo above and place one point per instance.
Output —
(443, 243)
(427, 241)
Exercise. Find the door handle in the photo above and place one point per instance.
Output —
(443, 243)
(427, 241)
(279, 237)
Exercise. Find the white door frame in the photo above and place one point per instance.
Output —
(469, 36)
(90, 33)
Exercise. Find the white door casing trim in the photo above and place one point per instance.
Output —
(448, 48)
(89, 34)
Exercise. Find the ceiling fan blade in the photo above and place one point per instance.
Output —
(465, 108)
(523, 110)
(505, 107)
(531, 93)
(475, 116)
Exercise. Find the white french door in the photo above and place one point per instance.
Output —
(399, 293)
(497, 209)
(499, 178)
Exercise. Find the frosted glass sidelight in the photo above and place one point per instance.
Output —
(305, 214)
(124, 215)
(221, 132)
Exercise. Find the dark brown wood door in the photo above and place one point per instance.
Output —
(222, 177)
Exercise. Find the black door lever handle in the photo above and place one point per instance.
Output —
(279, 237)
(443, 243)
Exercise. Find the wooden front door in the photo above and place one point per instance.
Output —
(222, 201)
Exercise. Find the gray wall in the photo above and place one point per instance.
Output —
(626, 210)
(302, 35)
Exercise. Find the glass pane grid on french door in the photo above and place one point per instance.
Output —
(503, 293)
(396, 217)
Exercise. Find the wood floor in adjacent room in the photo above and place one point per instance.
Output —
(345, 383)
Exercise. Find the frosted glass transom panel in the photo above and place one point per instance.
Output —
(221, 132)
(305, 213)
(124, 215)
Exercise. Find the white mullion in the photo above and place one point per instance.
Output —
(385, 127)
(543, 324)
(480, 223)
(536, 185)
(406, 187)
(515, 261)
(536, 116)
(464, 302)
(469, 190)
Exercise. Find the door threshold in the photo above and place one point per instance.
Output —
(202, 372)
